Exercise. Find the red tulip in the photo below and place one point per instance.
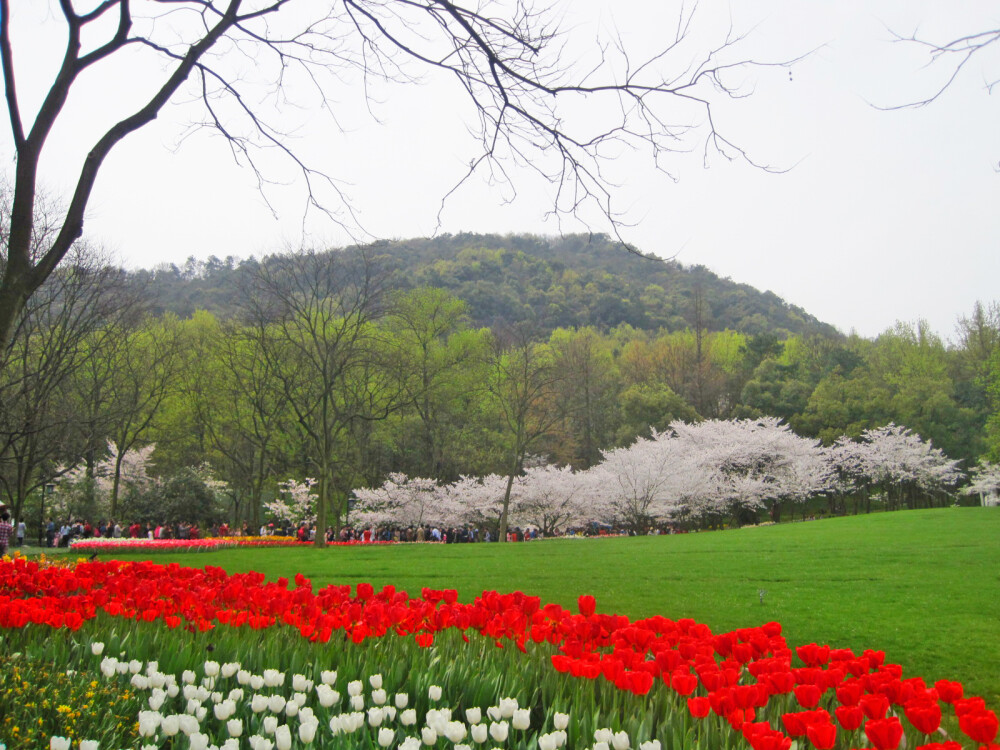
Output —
(849, 717)
(926, 717)
(587, 605)
(822, 735)
(807, 695)
(699, 707)
(980, 726)
(875, 705)
(884, 734)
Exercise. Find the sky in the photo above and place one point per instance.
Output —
(867, 216)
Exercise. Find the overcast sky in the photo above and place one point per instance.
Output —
(881, 215)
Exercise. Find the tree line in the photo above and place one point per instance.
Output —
(329, 370)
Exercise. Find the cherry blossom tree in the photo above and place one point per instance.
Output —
(985, 483)
(895, 461)
(404, 501)
(296, 502)
(551, 497)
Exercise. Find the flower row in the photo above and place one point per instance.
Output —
(749, 678)
(127, 545)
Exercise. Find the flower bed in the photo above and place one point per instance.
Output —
(126, 546)
(624, 683)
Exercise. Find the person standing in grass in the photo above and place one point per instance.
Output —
(22, 531)
(6, 532)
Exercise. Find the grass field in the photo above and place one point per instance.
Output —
(924, 586)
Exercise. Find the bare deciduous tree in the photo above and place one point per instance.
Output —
(536, 105)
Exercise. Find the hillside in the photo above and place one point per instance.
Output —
(577, 280)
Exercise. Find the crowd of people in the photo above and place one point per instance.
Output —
(63, 533)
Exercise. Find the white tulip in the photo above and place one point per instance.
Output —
(354, 721)
(410, 743)
(300, 699)
(97, 649)
(188, 724)
(307, 732)
(243, 677)
(234, 727)
(493, 712)
(157, 680)
(231, 744)
(283, 738)
(140, 682)
(619, 741)
(386, 736)
(546, 742)
(507, 707)
(235, 695)
(434, 692)
(355, 688)
(173, 689)
(291, 708)
(221, 711)
(156, 699)
(270, 724)
(121, 667)
(211, 668)
(560, 737)
(170, 725)
(473, 715)
(300, 683)
(258, 703)
(187, 677)
(401, 700)
(208, 683)
(256, 682)
(230, 668)
(408, 717)
(327, 695)
(499, 731)
(560, 721)
(357, 703)
(149, 721)
(521, 719)
(479, 733)
(216, 697)
(379, 697)
(455, 731)
(190, 692)
(650, 745)
(192, 705)
(336, 725)
(375, 716)
(135, 666)
(198, 741)
(602, 735)
(328, 677)
(428, 735)
(258, 742)
(273, 678)
(201, 713)
(390, 712)
(276, 703)
(109, 666)
(601, 746)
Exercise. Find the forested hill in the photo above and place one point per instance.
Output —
(576, 280)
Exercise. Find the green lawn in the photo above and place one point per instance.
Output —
(924, 586)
